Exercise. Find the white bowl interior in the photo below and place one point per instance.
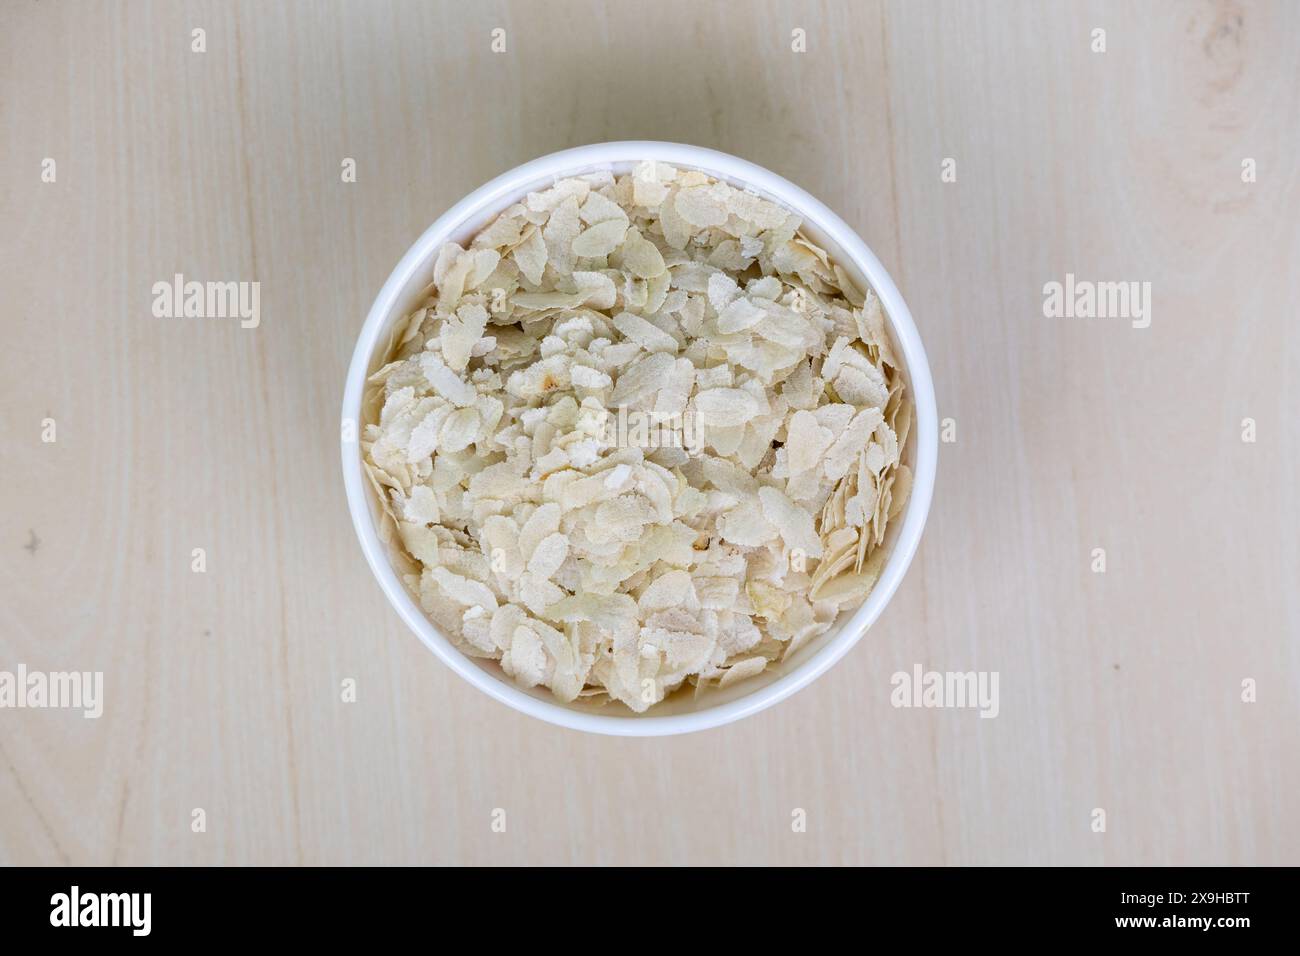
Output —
(686, 702)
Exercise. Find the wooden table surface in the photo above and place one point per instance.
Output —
(1169, 158)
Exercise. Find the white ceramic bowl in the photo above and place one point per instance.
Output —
(684, 712)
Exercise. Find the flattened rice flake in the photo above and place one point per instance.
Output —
(640, 435)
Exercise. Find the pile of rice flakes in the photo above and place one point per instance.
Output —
(603, 569)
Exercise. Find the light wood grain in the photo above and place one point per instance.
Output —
(1118, 690)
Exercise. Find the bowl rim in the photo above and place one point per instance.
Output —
(723, 166)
